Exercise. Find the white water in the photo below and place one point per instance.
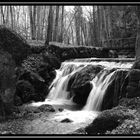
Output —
(106, 64)
(59, 85)
(59, 95)
(100, 84)
(76, 116)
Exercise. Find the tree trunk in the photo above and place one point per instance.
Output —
(55, 35)
(94, 27)
(2, 13)
(39, 22)
(137, 47)
(50, 27)
(32, 14)
(98, 26)
(12, 21)
(77, 24)
(62, 26)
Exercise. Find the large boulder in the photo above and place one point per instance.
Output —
(35, 76)
(129, 126)
(7, 83)
(133, 88)
(14, 44)
(116, 90)
(79, 84)
(31, 87)
(109, 120)
(136, 64)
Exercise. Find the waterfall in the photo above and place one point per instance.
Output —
(59, 91)
(59, 94)
(100, 84)
(58, 88)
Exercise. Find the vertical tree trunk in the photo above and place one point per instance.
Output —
(137, 47)
(62, 26)
(98, 25)
(77, 24)
(31, 20)
(72, 35)
(106, 26)
(39, 22)
(94, 27)
(32, 14)
(102, 28)
(50, 26)
(12, 16)
(55, 35)
(34, 23)
(43, 22)
(2, 13)
(7, 16)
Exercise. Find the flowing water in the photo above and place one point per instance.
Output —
(59, 95)
(96, 95)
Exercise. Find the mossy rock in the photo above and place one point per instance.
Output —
(109, 120)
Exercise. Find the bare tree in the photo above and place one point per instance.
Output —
(62, 25)
(32, 15)
(2, 14)
(55, 35)
(50, 26)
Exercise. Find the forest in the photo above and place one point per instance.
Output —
(71, 70)
(78, 25)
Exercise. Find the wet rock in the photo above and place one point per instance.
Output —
(79, 84)
(134, 75)
(81, 94)
(17, 100)
(67, 120)
(45, 108)
(60, 109)
(25, 91)
(136, 64)
(109, 120)
(133, 87)
(85, 75)
(116, 90)
(31, 89)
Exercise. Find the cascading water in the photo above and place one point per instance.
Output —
(58, 89)
(100, 84)
(60, 83)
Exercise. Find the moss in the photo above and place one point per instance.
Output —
(109, 120)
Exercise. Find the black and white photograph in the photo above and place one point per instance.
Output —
(69, 69)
